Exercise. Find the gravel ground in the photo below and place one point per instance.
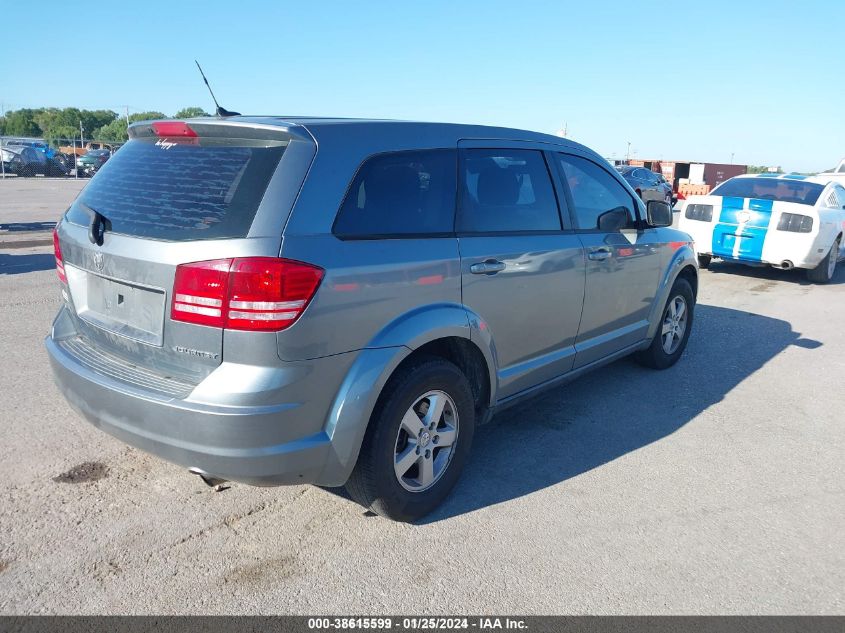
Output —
(713, 487)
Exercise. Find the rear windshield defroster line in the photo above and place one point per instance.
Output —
(179, 191)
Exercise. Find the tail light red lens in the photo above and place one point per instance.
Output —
(173, 128)
(253, 293)
(199, 292)
(60, 262)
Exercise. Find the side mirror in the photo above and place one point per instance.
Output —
(614, 220)
(659, 213)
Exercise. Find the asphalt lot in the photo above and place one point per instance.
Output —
(714, 487)
(25, 200)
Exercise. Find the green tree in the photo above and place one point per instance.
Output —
(116, 130)
(22, 123)
(64, 123)
(188, 113)
(760, 169)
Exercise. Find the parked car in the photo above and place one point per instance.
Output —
(91, 161)
(345, 316)
(41, 146)
(784, 221)
(9, 157)
(648, 184)
(79, 150)
(24, 161)
(60, 164)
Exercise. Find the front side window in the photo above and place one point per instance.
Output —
(400, 193)
(506, 190)
(595, 193)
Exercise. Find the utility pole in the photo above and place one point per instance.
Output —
(126, 112)
(732, 158)
(628, 153)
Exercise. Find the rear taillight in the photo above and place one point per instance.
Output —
(795, 223)
(251, 293)
(700, 212)
(60, 262)
(199, 292)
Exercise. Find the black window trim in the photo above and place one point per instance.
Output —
(639, 223)
(346, 237)
(552, 178)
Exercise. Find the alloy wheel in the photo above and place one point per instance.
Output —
(426, 441)
(674, 324)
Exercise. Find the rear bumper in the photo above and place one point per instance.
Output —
(802, 250)
(249, 444)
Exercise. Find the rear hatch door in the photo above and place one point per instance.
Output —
(175, 193)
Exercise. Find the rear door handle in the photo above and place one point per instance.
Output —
(489, 267)
(600, 254)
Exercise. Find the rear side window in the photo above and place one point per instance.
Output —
(400, 193)
(208, 188)
(594, 191)
(506, 190)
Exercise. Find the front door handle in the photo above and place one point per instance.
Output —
(600, 254)
(489, 267)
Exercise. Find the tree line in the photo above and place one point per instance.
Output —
(53, 124)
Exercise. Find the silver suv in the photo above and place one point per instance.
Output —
(341, 302)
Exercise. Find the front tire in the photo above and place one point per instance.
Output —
(674, 329)
(417, 441)
(824, 272)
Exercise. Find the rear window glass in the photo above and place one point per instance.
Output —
(207, 189)
(400, 193)
(780, 189)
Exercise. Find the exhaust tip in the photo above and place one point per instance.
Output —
(787, 265)
(212, 482)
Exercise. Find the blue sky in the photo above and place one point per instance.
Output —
(680, 80)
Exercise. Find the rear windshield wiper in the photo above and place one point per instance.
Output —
(99, 225)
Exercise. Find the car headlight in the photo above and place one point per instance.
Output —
(795, 222)
(700, 212)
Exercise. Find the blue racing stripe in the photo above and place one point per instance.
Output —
(743, 241)
(795, 177)
(768, 175)
(730, 209)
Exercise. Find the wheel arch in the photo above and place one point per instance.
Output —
(440, 331)
(683, 264)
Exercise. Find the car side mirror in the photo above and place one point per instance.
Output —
(614, 220)
(659, 213)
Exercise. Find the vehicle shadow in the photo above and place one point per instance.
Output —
(25, 263)
(613, 411)
(767, 273)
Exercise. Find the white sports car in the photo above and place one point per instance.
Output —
(786, 221)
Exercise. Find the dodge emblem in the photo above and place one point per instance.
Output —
(98, 261)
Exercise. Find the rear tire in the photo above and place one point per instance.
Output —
(824, 272)
(704, 261)
(407, 401)
(674, 328)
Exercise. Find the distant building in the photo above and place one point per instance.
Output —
(690, 172)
